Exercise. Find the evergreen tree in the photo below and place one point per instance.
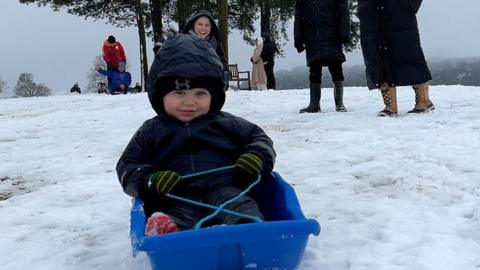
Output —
(274, 16)
(42, 90)
(93, 77)
(25, 87)
(3, 85)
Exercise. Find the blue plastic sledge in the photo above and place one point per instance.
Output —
(277, 243)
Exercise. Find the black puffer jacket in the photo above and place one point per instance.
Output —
(210, 141)
(391, 43)
(320, 27)
(269, 50)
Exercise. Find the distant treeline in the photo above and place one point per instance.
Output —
(464, 71)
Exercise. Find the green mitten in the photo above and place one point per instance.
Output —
(249, 163)
(164, 181)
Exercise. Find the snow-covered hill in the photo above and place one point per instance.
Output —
(390, 193)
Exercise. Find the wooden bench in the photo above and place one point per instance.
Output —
(239, 76)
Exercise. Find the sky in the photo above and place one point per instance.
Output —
(390, 193)
(59, 49)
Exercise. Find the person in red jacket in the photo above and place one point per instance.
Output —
(113, 53)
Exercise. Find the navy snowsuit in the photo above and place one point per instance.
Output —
(207, 142)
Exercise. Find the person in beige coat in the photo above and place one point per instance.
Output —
(259, 77)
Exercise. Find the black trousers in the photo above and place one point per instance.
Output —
(270, 76)
(186, 215)
(335, 68)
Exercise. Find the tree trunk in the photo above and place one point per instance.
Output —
(156, 11)
(265, 16)
(143, 42)
(182, 11)
(222, 6)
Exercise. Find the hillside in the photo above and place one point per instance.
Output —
(390, 193)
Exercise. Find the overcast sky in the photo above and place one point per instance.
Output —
(59, 49)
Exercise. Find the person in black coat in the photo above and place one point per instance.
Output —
(268, 53)
(191, 134)
(392, 52)
(203, 25)
(320, 28)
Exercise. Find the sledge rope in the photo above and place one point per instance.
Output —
(221, 207)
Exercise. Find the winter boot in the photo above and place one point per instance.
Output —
(315, 94)
(160, 223)
(338, 96)
(389, 96)
(423, 103)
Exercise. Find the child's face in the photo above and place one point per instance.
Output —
(186, 105)
(202, 27)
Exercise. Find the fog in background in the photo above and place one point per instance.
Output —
(59, 48)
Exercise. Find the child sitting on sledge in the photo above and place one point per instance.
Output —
(190, 134)
(120, 80)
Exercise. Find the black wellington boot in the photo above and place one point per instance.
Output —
(338, 96)
(315, 94)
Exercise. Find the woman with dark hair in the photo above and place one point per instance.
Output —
(203, 25)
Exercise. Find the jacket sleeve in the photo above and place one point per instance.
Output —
(344, 20)
(128, 79)
(105, 72)
(256, 141)
(415, 5)
(123, 56)
(298, 25)
(105, 54)
(134, 167)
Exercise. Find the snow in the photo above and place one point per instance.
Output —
(390, 193)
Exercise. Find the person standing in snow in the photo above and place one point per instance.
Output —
(113, 54)
(320, 28)
(259, 77)
(392, 52)
(191, 134)
(268, 54)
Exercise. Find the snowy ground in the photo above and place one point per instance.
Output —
(390, 193)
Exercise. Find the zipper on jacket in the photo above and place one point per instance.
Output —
(190, 150)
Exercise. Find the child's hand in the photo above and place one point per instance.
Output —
(164, 181)
(249, 163)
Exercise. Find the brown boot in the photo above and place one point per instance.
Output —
(423, 103)
(389, 95)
